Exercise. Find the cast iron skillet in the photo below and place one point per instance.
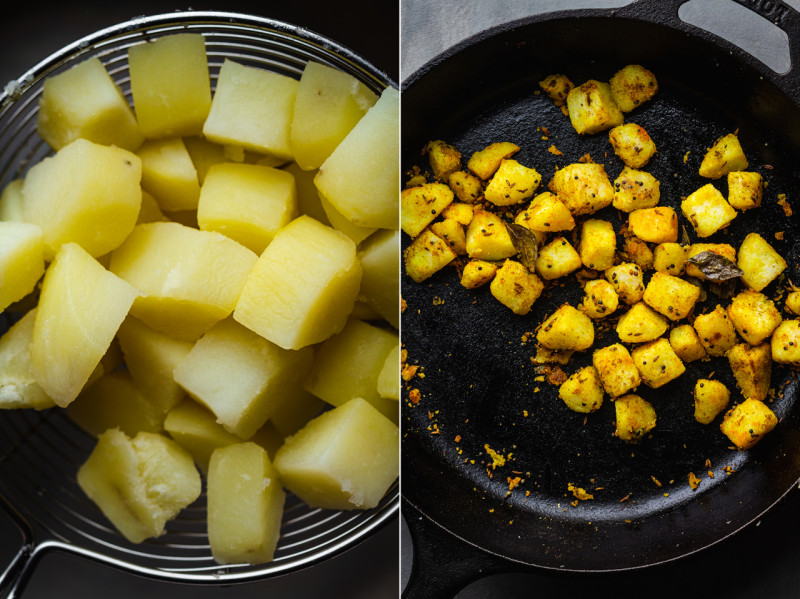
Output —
(480, 388)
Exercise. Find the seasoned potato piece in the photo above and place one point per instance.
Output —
(557, 259)
(566, 328)
(632, 85)
(557, 87)
(710, 399)
(427, 255)
(512, 183)
(484, 163)
(671, 296)
(722, 249)
(759, 261)
(707, 210)
(792, 302)
(716, 331)
(627, 281)
(459, 211)
(443, 158)
(488, 237)
(656, 225)
(638, 252)
(635, 418)
(687, 345)
(658, 364)
(745, 190)
(552, 356)
(754, 315)
(583, 391)
(634, 189)
(452, 233)
(477, 273)
(746, 423)
(598, 244)
(584, 188)
(752, 367)
(786, 343)
(600, 299)
(632, 144)
(515, 287)
(420, 205)
(467, 187)
(669, 258)
(641, 324)
(725, 156)
(546, 213)
(592, 108)
(616, 368)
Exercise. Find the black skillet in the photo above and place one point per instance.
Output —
(479, 387)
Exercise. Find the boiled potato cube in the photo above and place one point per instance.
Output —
(566, 328)
(657, 363)
(512, 183)
(637, 251)
(328, 104)
(188, 279)
(380, 281)
(671, 296)
(670, 258)
(170, 85)
(302, 406)
(81, 307)
(477, 273)
(583, 391)
(710, 399)
(626, 278)
(168, 173)
(632, 144)
(484, 163)
(746, 423)
(752, 368)
(467, 187)
(724, 156)
(745, 190)
(754, 315)
(204, 154)
(84, 102)
(557, 87)
(21, 260)
(592, 107)
(707, 210)
(598, 244)
(546, 213)
(654, 225)
(421, 204)
(488, 238)
(716, 331)
(641, 324)
(86, 193)
(786, 342)
(600, 299)
(427, 255)
(635, 418)
(632, 86)
(584, 188)
(245, 505)
(557, 259)
(240, 376)
(515, 287)
(759, 261)
(635, 189)
(389, 377)
(686, 344)
(195, 428)
(345, 458)
(453, 234)
(150, 212)
(362, 176)
(721, 249)
(18, 386)
(139, 484)
(338, 221)
(443, 158)
(616, 369)
(11, 201)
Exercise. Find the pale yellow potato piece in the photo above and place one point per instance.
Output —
(346, 458)
(340, 223)
(204, 154)
(80, 309)
(293, 414)
(170, 85)
(169, 174)
(308, 200)
(11, 201)
(303, 287)
(150, 211)
(362, 175)
(245, 505)
(21, 260)
(18, 386)
(380, 283)
(389, 377)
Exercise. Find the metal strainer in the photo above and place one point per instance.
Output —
(40, 452)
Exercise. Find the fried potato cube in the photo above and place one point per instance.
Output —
(710, 399)
(671, 296)
(557, 86)
(467, 187)
(658, 364)
(759, 261)
(515, 287)
(627, 281)
(754, 316)
(632, 86)
(641, 324)
(477, 273)
(484, 163)
(598, 244)
(459, 211)
(745, 190)
(792, 302)
(584, 188)
(557, 259)
(512, 183)
(752, 368)
(669, 258)
(592, 108)
(616, 368)
(725, 156)
(600, 299)
(635, 418)
(686, 344)
(632, 144)
(716, 331)
(546, 213)
(786, 343)
(583, 391)
(746, 423)
(427, 255)
(422, 204)
(488, 238)
(443, 158)
(566, 328)
(551, 356)
(638, 252)
(707, 210)
(635, 189)
(656, 225)
(722, 249)
(453, 234)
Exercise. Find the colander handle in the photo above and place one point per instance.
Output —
(19, 571)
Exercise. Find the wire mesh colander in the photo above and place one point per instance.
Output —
(40, 452)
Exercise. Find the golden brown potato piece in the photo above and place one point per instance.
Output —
(546, 213)
(745, 190)
(566, 328)
(557, 259)
(632, 86)
(716, 331)
(427, 255)
(512, 183)
(515, 287)
(710, 399)
(627, 281)
(467, 187)
(617, 371)
(671, 296)
(477, 273)
(687, 345)
(747, 423)
(707, 210)
(635, 189)
(583, 391)
(420, 205)
(484, 163)
(557, 87)
(583, 187)
(632, 144)
(635, 418)
(592, 108)
(754, 316)
(639, 253)
(443, 158)
(600, 299)
(654, 225)
(670, 258)
(598, 244)
(752, 368)
(657, 363)
(786, 343)
(725, 156)
(759, 261)
(641, 324)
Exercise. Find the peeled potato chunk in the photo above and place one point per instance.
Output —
(380, 283)
(18, 386)
(21, 261)
(169, 174)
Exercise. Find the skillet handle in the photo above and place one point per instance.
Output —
(443, 564)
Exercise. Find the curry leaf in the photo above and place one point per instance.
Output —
(715, 267)
(525, 243)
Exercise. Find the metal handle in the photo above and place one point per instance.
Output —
(18, 572)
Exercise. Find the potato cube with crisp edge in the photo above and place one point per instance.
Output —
(582, 391)
(669, 258)
(427, 255)
(422, 204)
(566, 328)
(759, 261)
(484, 163)
(641, 324)
(786, 343)
(584, 188)
(686, 344)
(452, 233)
(635, 418)
(654, 225)
(459, 211)
(515, 287)
(632, 144)
(752, 368)
(600, 299)
(627, 281)
(635, 189)
(710, 399)
(546, 213)
(557, 87)
(477, 273)
(467, 187)
(724, 156)
(488, 237)
(658, 364)
(754, 315)
(707, 210)
(443, 158)
(716, 331)
(592, 108)
(745, 190)
(616, 368)
(557, 259)
(746, 423)
(671, 296)
(638, 252)
(512, 183)
(632, 86)
(598, 244)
